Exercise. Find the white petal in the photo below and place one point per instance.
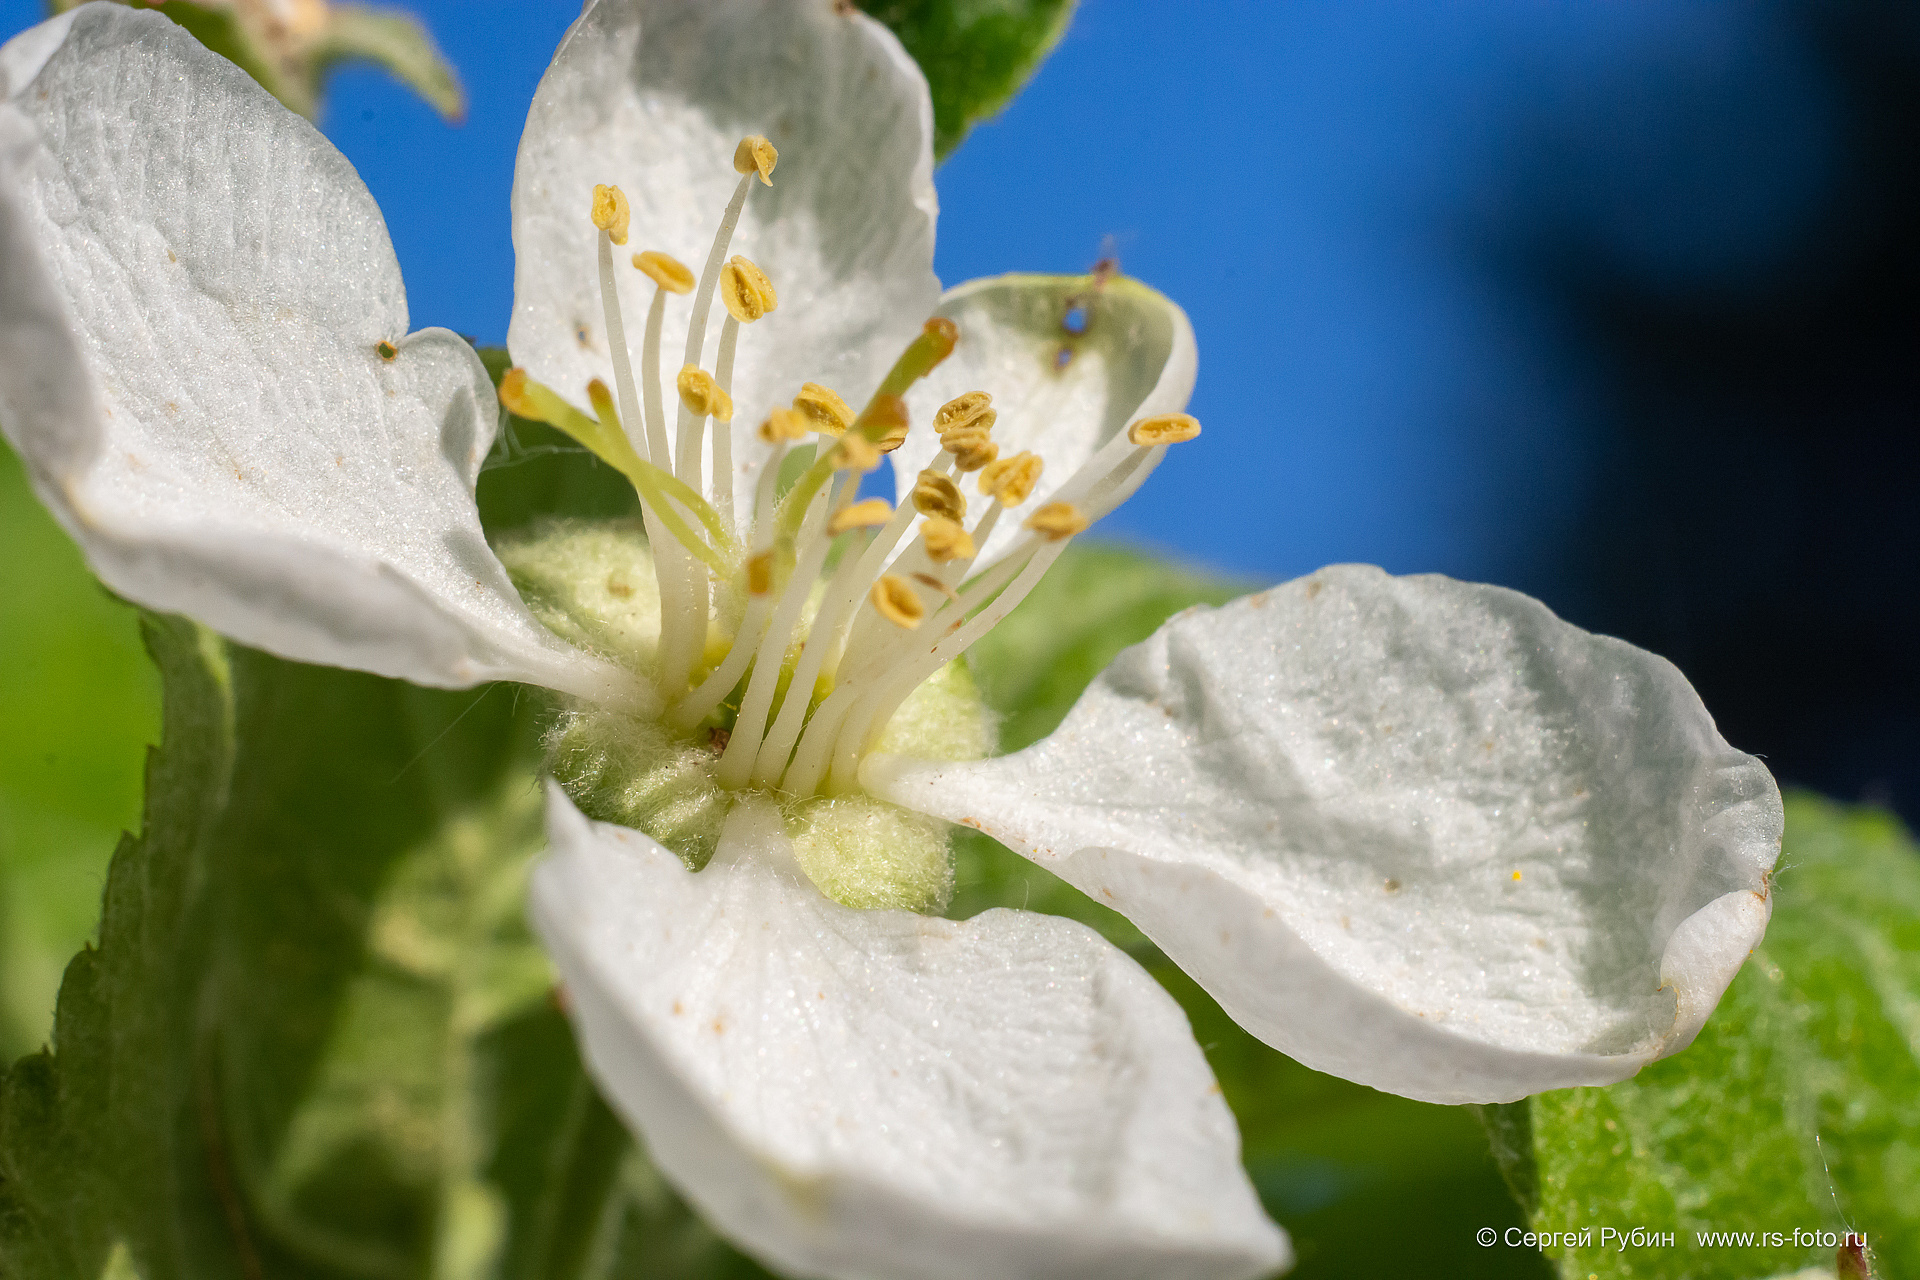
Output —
(1135, 358)
(1414, 832)
(196, 284)
(652, 96)
(874, 1093)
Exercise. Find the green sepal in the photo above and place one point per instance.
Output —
(293, 66)
(975, 53)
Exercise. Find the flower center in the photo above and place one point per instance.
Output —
(794, 660)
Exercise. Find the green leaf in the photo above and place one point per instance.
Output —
(80, 702)
(1333, 1161)
(88, 1136)
(316, 1038)
(975, 53)
(1795, 1109)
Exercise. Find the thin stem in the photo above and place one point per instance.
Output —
(723, 431)
(743, 749)
(657, 447)
(616, 333)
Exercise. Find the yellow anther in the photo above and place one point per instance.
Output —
(610, 212)
(756, 154)
(1168, 428)
(868, 514)
(784, 424)
(885, 421)
(514, 396)
(1011, 479)
(971, 450)
(937, 495)
(604, 406)
(760, 573)
(700, 393)
(1057, 520)
(974, 409)
(855, 453)
(746, 290)
(823, 410)
(946, 540)
(665, 270)
(897, 602)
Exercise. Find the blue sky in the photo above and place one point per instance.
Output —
(1335, 190)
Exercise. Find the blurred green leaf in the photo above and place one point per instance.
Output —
(1334, 1162)
(536, 473)
(1797, 1106)
(316, 1038)
(1095, 601)
(290, 51)
(975, 53)
(80, 703)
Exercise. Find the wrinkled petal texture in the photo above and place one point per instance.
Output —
(875, 1093)
(1415, 832)
(1069, 361)
(652, 96)
(197, 283)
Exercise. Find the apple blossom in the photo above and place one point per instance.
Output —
(1416, 832)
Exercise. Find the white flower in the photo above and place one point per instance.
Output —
(1412, 831)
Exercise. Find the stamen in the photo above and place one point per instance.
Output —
(1057, 520)
(937, 495)
(824, 411)
(946, 540)
(665, 270)
(971, 450)
(743, 748)
(870, 514)
(702, 395)
(784, 424)
(660, 492)
(684, 633)
(854, 453)
(722, 469)
(746, 291)
(611, 213)
(756, 155)
(1011, 480)
(885, 422)
(760, 574)
(897, 602)
(961, 413)
(1168, 428)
